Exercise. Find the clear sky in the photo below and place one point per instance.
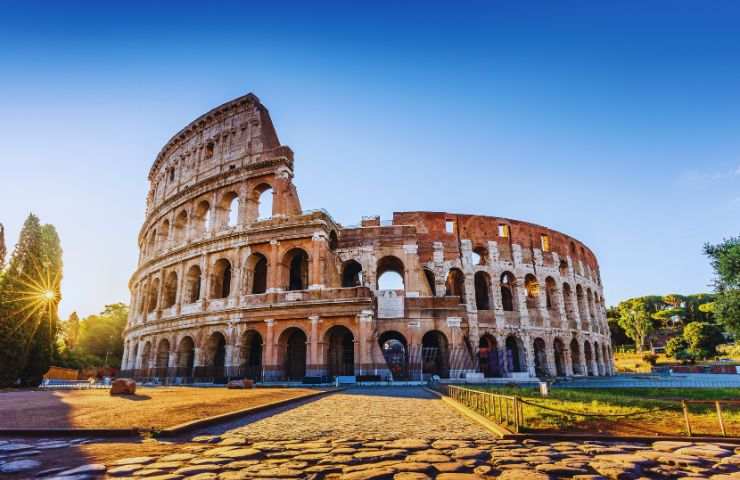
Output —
(615, 122)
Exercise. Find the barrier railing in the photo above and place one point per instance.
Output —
(502, 409)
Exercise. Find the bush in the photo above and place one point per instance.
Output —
(650, 358)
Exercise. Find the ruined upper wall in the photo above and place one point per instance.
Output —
(233, 135)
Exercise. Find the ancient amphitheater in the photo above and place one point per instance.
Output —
(235, 279)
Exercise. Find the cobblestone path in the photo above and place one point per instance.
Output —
(400, 434)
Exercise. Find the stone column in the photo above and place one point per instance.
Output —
(316, 274)
(269, 366)
(567, 359)
(529, 354)
(313, 362)
(411, 269)
(365, 319)
(273, 269)
(550, 358)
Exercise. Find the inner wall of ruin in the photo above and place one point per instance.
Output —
(235, 280)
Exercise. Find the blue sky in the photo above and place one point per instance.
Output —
(615, 122)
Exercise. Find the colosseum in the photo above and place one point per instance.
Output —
(236, 280)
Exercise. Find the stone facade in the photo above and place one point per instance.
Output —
(226, 289)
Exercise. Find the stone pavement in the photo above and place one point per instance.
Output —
(403, 434)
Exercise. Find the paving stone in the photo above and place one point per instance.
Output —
(195, 469)
(16, 466)
(522, 475)
(704, 451)
(380, 455)
(89, 469)
(14, 447)
(178, 457)
(449, 467)
(409, 444)
(133, 460)
(411, 476)
(124, 470)
(467, 452)
(370, 474)
(559, 469)
(241, 453)
(428, 458)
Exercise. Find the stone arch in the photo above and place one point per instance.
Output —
(164, 233)
(431, 282)
(389, 271)
(180, 227)
(575, 357)
(563, 268)
(482, 290)
(153, 297)
(351, 274)
(193, 284)
(581, 300)
(229, 208)
(295, 264)
(508, 292)
(292, 351)
(590, 302)
(516, 355)
(202, 217)
(570, 314)
(170, 289)
(587, 355)
(340, 351)
(146, 356)
(256, 274)
(455, 284)
(250, 354)
(435, 354)
(559, 350)
(333, 240)
(163, 357)
(395, 351)
(152, 243)
(480, 255)
(263, 199)
(597, 357)
(215, 356)
(489, 357)
(532, 289)
(185, 357)
(221, 285)
(540, 358)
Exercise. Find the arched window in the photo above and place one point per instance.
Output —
(193, 284)
(153, 295)
(164, 232)
(479, 256)
(563, 268)
(256, 273)
(170, 290)
(333, 240)
(181, 226)
(455, 285)
(482, 289)
(533, 290)
(508, 289)
(296, 260)
(263, 197)
(429, 275)
(152, 245)
(551, 293)
(221, 279)
(390, 272)
(202, 217)
(351, 274)
(230, 207)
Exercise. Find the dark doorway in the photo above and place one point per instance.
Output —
(488, 356)
(252, 356)
(341, 351)
(295, 354)
(435, 354)
(395, 351)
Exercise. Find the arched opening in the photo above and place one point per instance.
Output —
(582, 308)
(153, 295)
(340, 351)
(597, 357)
(515, 355)
(540, 358)
(563, 268)
(146, 357)
(256, 273)
(230, 208)
(435, 354)
(202, 217)
(164, 233)
(395, 352)
(293, 346)
(163, 358)
(455, 284)
(333, 240)
(590, 302)
(488, 356)
(221, 279)
(568, 299)
(132, 359)
(533, 290)
(482, 289)
(480, 256)
(251, 355)
(170, 290)
(264, 198)
(508, 286)
(559, 349)
(216, 357)
(192, 284)
(575, 357)
(297, 263)
(390, 272)
(589, 359)
(551, 294)
(351, 274)
(185, 357)
(181, 227)
(431, 283)
(152, 245)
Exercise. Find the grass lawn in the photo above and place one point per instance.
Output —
(150, 408)
(616, 401)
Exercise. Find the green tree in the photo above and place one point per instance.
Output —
(42, 343)
(3, 249)
(702, 339)
(101, 336)
(619, 337)
(725, 259)
(71, 331)
(634, 318)
(676, 347)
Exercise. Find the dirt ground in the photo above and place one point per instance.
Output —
(150, 408)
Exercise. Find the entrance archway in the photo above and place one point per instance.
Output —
(559, 350)
(435, 354)
(395, 351)
(294, 359)
(488, 356)
(575, 356)
(251, 356)
(588, 358)
(514, 355)
(540, 358)
(185, 357)
(340, 351)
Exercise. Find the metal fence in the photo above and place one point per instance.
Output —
(502, 409)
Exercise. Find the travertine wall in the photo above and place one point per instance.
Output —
(225, 289)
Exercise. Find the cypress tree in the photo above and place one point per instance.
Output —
(3, 250)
